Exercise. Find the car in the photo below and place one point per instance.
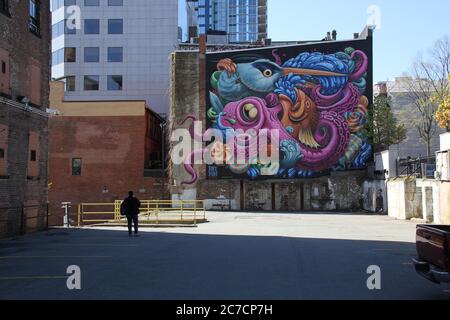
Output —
(433, 252)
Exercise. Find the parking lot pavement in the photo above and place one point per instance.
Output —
(234, 256)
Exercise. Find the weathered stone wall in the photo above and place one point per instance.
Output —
(336, 192)
(184, 101)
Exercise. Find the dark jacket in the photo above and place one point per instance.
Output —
(132, 206)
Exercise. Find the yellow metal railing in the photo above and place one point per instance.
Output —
(98, 211)
(157, 211)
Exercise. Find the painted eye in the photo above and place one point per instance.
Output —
(250, 112)
(267, 73)
(308, 105)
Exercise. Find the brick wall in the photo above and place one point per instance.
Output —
(112, 152)
(23, 199)
(29, 54)
(24, 72)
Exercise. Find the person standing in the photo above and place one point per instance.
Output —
(131, 206)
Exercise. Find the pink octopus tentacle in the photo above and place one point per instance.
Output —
(333, 134)
(361, 67)
(194, 134)
(189, 165)
(347, 104)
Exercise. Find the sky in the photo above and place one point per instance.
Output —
(404, 28)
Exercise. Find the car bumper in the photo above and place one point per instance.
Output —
(430, 272)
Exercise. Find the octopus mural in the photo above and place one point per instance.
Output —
(317, 102)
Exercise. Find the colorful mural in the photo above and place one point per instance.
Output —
(317, 96)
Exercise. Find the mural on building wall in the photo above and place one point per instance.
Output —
(317, 96)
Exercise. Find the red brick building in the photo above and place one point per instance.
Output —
(24, 92)
(100, 150)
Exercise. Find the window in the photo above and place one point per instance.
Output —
(57, 57)
(115, 26)
(112, 3)
(63, 27)
(56, 4)
(4, 7)
(70, 54)
(115, 83)
(76, 167)
(3, 67)
(33, 155)
(57, 29)
(91, 3)
(70, 84)
(91, 83)
(115, 54)
(91, 26)
(2, 153)
(35, 17)
(91, 54)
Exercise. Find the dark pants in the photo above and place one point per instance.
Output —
(133, 219)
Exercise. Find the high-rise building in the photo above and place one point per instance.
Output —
(24, 98)
(243, 20)
(116, 50)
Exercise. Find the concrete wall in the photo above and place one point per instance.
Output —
(444, 202)
(374, 193)
(404, 199)
(445, 141)
(184, 100)
(337, 192)
(423, 199)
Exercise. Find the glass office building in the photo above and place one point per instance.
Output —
(243, 20)
(118, 51)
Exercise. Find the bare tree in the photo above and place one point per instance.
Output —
(428, 87)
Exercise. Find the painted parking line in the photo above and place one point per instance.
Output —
(407, 263)
(54, 257)
(95, 245)
(396, 251)
(82, 245)
(33, 278)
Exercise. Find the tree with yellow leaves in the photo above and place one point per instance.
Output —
(443, 112)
